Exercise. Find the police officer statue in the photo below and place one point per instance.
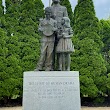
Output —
(58, 12)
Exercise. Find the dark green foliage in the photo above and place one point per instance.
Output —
(31, 11)
(106, 50)
(108, 85)
(106, 39)
(1, 13)
(1, 9)
(22, 21)
(106, 36)
(29, 51)
(23, 16)
(10, 70)
(87, 58)
(21, 54)
(67, 4)
(19, 50)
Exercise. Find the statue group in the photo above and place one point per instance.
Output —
(56, 43)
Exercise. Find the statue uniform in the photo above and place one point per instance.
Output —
(47, 28)
(58, 12)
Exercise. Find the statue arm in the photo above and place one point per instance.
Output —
(71, 31)
(40, 29)
(55, 26)
(69, 34)
(66, 36)
(65, 12)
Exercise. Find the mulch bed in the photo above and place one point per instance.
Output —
(84, 102)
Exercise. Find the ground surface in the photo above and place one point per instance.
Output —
(83, 108)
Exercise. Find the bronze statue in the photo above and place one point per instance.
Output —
(56, 40)
(47, 28)
(58, 12)
(65, 46)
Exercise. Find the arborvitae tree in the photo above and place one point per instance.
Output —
(1, 9)
(108, 86)
(1, 13)
(22, 45)
(31, 11)
(106, 50)
(12, 16)
(87, 58)
(22, 21)
(10, 70)
(23, 16)
(3, 65)
(67, 4)
(29, 54)
(106, 40)
(39, 9)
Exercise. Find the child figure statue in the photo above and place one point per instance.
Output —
(65, 46)
(47, 28)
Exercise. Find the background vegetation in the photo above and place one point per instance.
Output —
(19, 47)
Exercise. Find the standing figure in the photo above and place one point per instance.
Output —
(58, 12)
(65, 46)
(47, 28)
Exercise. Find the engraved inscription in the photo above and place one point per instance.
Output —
(51, 83)
(51, 90)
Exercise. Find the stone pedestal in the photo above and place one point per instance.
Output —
(52, 90)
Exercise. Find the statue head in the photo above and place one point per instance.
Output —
(48, 12)
(56, 1)
(66, 22)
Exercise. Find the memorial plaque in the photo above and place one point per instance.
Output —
(52, 90)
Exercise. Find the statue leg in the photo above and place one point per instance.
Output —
(54, 57)
(49, 57)
(41, 61)
(64, 62)
(60, 60)
(68, 61)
